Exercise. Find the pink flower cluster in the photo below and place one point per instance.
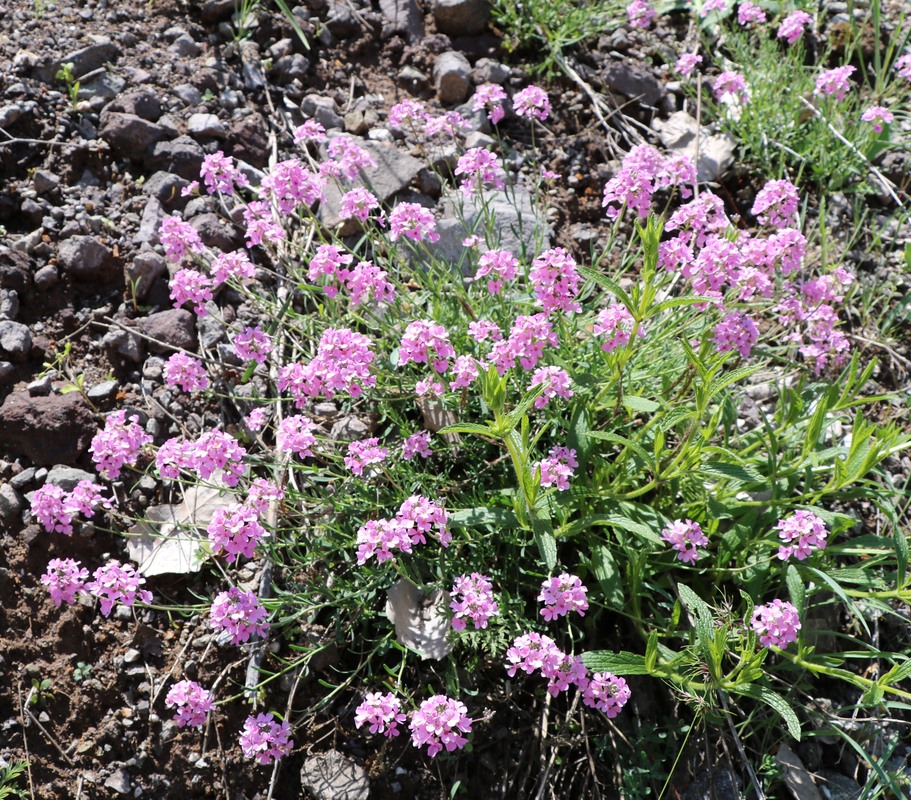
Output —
(903, 66)
(555, 281)
(466, 371)
(558, 467)
(261, 493)
(685, 536)
(776, 204)
(190, 286)
(239, 613)
(358, 204)
(642, 172)
(418, 444)
(55, 508)
(472, 598)
(414, 222)
(179, 238)
(235, 531)
(749, 13)
(261, 224)
(118, 444)
(439, 723)
(64, 577)
(117, 583)
(193, 703)
(708, 6)
(527, 339)
(736, 331)
(812, 322)
(186, 372)
(332, 262)
(219, 174)
(607, 693)
(481, 169)
(490, 97)
(265, 739)
(687, 63)
(640, 13)
(501, 263)
(296, 434)
(417, 517)
(532, 102)
(776, 623)
(235, 264)
(562, 594)
(349, 158)
(364, 453)
(555, 381)
(423, 342)
(213, 451)
(801, 533)
(879, 116)
(290, 184)
(342, 363)
(365, 280)
(253, 344)
(382, 712)
(616, 323)
(793, 25)
(731, 87)
(835, 81)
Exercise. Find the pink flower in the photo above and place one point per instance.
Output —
(366, 280)
(738, 331)
(749, 13)
(310, 131)
(357, 204)
(562, 594)
(629, 188)
(802, 532)
(265, 739)
(364, 453)
(483, 329)
(186, 372)
(256, 419)
(776, 204)
(489, 96)
(472, 598)
(792, 27)
(440, 722)
(879, 116)
(481, 168)
(534, 652)
(290, 184)
(252, 344)
(428, 386)
(527, 338)
(499, 262)
(555, 281)
(118, 444)
(532, 102)
(685, 536)
(382, 712)
(217, 450)
(262, 493)
(296, 434)
(408, 113)
(417, 516)
(115, 583)
(235, 531)
(835, 81)
(64, 577)
(332, 262)
(465, 369)
(640, 13)
(193, 703)
(50, 508)
(607, 693)
(418, 444)
(262, 225)
(220, 175)
(731, 87)
(776, 623)
(903, 66)
(239, 613)
(712, 5)
(412, 221)
(424, 342)
(687, 63)
(190, 286)
(558, 467)
(556, 384)
(350, 156)
(235, 265)
(342, 363)
(448, 125)
(179, 238)
(616, 323)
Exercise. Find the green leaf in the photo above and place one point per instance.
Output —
(651, 651)
(470, 427)
(622, 440)
(606, 283)
(734, 472)
(606, 571)
(776, 702)
(474, 517)
(723, 381)
(642, 404)
(636, 528)
(547, 544)
(679, 301)
(839, 592)
(796, 589)
(622, 663)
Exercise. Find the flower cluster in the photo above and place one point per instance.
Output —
(555, 381)
(64, 577)
(342, 363)
(835, 81)
(731, 88)
(219, 174)
(736, 331)
(616, 323)
(240, 614)
(526, 341)
(186, 372)
(685, 536)
(776, 623)
(879, 116)
(416, 517)
(555, 281)
(55, 508)
(607, 693)
(117, 583)
(776, 204)
(296, 435)
(501, 263)
(440, 722)
(193, 703)
(481, 168)
(253, 344)
(535, 652)
(118, 444)
(179, 238)
(687, 63)
(358, 204)
(532, 102)
(418, 444)
(489, 97)
(332, 262)
(562, 594)
(801, 533)
(235, 531)
(472, 598)
(412, 221)
(640, 13)
(265, 739)
(749, 14)
(424, 341)
(793, 25)
(190, 286)
(644, 171)
(363, 453)
(382, 712)
(290, 184)
(558, 467)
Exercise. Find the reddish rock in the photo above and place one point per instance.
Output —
(47, 430)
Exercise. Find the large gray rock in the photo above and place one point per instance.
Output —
(716, 150)
(182, 156)
(85, 258)
(122, 346)
(633, 81)
(143, 271)
(206, 126)
(334, 776)
(11, 505)
(47, 430)
(394, 171)
(461, 17)
(100, 52)
(140, 101)
(104, 85)
(342, 21)
(15, 340)
(150, 223)
(172, 329)
(323, 110)
(130, 136)
(403, 16)
(452, 77)
(15, 269)
(67, 477)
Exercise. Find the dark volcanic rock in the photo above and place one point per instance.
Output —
(85, 258)
(130, 135)
(182, 156)
(175, 328)
(140, 102)
(15, 269)
(47, 430)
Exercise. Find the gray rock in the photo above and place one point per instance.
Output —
(206, 125)
(478, 139)
(150, 223)
(349, 429)
(123, 346)
(322, 109)
(7, 372)
(188, 94)
(11, 505)
(67, 477)
(211, 330)
(217, 10)
(47, 277)
(184, 46)
(40, 387)
(334, 776)
(394, 170)
(143, 271)
(412, 79)
(23, 479)
(166, 187)
(47, 430)
(15, 340)
(182, 156)
(103, 86)
(214, 233)
(716, 150)
(119, 781)
(45, 181)
(103, 393)
(486, 70)
(632, 81)
(289, 68)
(90, 58)
(9, 115)
(140, 101)
(9, 304)
(85, 258)
(251, 71)
(130, 136)
(403, 16)
(174, 328)
(452, 77)
(16, 268)
(342, 21)
(461, 17)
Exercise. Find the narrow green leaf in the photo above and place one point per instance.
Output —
(642, 404)
(636, 528)
(547, 544)
(622, 663)
(651, 651)
(796, 589)
(723, 381)
(622, 440)
(606, 283)
(470, 427)
(606, 571)
(776, 702)
(734, 472)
